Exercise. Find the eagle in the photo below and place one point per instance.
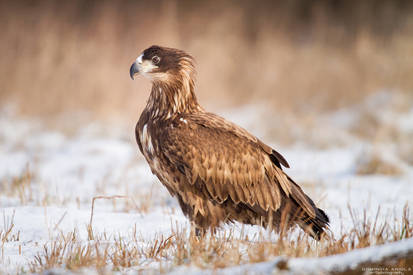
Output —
(218, 171)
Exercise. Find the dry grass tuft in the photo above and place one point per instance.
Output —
(375, 164)
(6, 234)
(68, 252)
(223, 249)
(20, 186)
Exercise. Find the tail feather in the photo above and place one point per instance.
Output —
(315, 226)
(310, 218)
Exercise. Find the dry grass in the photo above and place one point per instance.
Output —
(6, 233)
(223, 249)
(19, 186)
(298, 56)
(405, 149)
(375, 163)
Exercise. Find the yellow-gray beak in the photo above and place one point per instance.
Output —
(134, 69)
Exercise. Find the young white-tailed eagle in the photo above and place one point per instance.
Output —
(218, 171)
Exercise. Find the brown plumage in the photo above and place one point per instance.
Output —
(217, 170)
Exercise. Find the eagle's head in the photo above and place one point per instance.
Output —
(162, 64)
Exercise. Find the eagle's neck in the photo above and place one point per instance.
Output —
(170, 99)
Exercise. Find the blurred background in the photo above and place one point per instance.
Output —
(296, 56)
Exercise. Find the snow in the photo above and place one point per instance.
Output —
(67, 171)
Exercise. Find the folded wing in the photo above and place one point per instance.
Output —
(223, 161)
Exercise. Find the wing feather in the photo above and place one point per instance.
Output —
(225, 161)
(233, 193)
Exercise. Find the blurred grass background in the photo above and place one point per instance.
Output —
(297, 55)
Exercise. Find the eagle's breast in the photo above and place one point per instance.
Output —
(148, 138)
(146, 141)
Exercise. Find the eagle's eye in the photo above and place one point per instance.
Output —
(156, 59)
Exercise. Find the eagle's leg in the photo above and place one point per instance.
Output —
(197, 231)
(200, 232)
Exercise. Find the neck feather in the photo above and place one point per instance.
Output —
(171, 98)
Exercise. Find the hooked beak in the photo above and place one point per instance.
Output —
(134, 69)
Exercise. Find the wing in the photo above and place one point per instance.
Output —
(213, 121)
(224, 161)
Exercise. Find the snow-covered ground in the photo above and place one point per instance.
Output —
(48, 178)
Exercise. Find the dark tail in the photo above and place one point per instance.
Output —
(292, 213)
(309, 217)
(315, 226)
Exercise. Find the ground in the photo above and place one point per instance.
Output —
(355, 162)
